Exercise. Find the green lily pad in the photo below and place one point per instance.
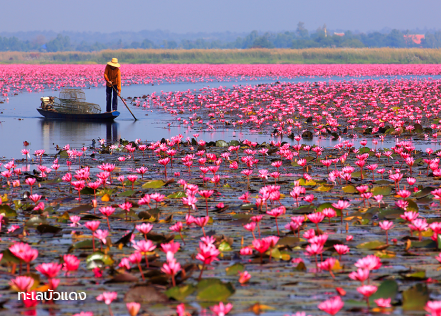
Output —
(372, 245)
(307, 183)
(324, 188)
(357, 174)
(415, 297)
(412, 207)
(387, 289)
(177, 195)
(233, 143)
(235, 269)
(179, 293)
(224, 246)
(423, 192)
(350, 189)
(7, 211)
(221, 143)
(84, 244)
(8, 257)
(98, 255)
(153, 184)
(87, 190)
(382, 190)
(127, 193)
(214, 290)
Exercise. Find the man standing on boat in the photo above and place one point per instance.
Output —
(112, 75)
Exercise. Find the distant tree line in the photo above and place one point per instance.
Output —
(300, 38)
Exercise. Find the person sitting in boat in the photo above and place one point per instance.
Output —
(112, 75)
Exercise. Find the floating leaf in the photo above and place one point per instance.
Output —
(412, 206)
(87, 190)
(8, 257)
(373, 245)
(224, 246)
(127, 193)
(324, 188)
(382, 190)
(423, 192)
(179, 293)
(84, 244)
(35, 221)
(235, 269)
(387, 289)
(415, 297)
(214, 290)
(221, 143)
(357, 174)
(307, 183)
(153, 184)
(233, 143)
(177, 195)
(7, 211)
(98, 255)
(350, 189)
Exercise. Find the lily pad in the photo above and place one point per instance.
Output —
(153, 184)
(179, 293)
(98, 255)
(221, 143)
(7, 211)
(350, 189)
(382, 190)
(415, 297)
(373, 245)
(177, 195)
(235, 269)
(214, 290)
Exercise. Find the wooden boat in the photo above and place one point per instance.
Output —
(72, 105)
(106, 116)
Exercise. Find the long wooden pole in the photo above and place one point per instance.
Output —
(125, 104)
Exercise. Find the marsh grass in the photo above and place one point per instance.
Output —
(234, 56)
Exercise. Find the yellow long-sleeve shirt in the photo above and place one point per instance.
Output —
(113, 75)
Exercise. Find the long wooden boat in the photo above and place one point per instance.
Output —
(106, 116)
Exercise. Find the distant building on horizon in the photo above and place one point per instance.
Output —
(416, 38)
(339, 34)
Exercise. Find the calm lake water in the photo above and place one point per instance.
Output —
(20, 121)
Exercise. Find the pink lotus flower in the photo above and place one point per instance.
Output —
(22, 283)
(332, 306)
(107, 297)
(71, 263)
(244, 277)
(50, 270)
(133, 308)
(221, 309)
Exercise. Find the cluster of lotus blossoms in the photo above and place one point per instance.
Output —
(34, 78)
(333, 108)
(374, 108)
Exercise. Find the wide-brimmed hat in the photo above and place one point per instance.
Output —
(114, 62)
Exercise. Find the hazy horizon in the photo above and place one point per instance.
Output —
(193, 16)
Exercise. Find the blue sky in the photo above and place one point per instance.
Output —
(183, 16)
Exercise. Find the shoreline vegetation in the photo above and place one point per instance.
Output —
(233, 56)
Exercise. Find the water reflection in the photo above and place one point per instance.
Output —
(57, 132)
